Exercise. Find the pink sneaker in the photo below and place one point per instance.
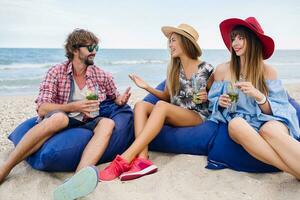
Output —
(114, 169)
(139, 167)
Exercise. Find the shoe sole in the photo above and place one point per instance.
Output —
(79, 185)
(100, 180)
(134, 175)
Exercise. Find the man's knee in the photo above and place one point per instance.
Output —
(105, 124)
(59, 119)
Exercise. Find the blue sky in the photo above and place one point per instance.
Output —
(137, 23)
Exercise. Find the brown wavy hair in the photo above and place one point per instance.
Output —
(253, 60)
(174, 66)
(78, 37)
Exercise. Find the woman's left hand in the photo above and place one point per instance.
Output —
(249, 89)
(202, 95)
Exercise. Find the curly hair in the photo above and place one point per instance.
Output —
(78, 37)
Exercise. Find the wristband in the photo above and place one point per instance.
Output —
(263, 101)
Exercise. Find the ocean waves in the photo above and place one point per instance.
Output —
(21, 70)
(24, 66)
(32, 66)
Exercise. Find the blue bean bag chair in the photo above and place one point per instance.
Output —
(187, 140)
(225, 153)
(62, 152)
(209, 138)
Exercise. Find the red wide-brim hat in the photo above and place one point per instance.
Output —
(227, 25)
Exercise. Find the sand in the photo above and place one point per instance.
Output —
(179, 176)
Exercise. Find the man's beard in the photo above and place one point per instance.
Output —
(88, 61)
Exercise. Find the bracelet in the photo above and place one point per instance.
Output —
(263, 101)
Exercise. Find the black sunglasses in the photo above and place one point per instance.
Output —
(90, 48)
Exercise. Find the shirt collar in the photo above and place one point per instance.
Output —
(69, 68)
(89, 70)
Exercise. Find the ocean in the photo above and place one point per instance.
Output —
(22, 69)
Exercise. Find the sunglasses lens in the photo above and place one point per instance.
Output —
(92, 47)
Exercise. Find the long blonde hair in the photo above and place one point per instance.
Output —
(174, 66)
(253, 60)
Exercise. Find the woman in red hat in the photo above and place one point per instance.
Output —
(249, 97)
(176, 106)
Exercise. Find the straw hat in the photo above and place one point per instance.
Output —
(185, 30)
(267, 42)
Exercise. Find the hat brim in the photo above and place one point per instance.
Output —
(227, 25)
(168, 30)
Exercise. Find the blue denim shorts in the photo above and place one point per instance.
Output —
(90, 124)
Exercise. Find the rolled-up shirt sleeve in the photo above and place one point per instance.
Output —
(48, 89)
(110, 87)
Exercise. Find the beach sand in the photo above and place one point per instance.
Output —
(179, 176)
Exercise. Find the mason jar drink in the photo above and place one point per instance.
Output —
(198, 86)
(91, 95)
(233, 94)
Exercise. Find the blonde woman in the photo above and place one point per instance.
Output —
(176, 106)
(263, 123)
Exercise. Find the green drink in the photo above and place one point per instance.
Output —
(90, 95)
(198, 85)
(233, 94)
(234, 97)
(195, 99)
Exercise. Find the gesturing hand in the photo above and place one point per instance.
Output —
(123, 99)
(138, 81)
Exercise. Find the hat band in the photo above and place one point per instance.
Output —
(189, 34)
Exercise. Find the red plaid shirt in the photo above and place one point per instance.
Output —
(56, 86)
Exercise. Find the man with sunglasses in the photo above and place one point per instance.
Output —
(62, 104)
